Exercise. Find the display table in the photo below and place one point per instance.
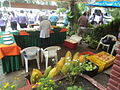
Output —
(9, 53)
(33, 39)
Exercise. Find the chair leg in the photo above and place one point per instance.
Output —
(22, 60)
(112, 50)
(98, 46)
(107, 48)
(41, 57)
(38, 63)
(46, 62)
(26, 65)
(56, 58)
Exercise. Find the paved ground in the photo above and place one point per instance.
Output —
(19, 76)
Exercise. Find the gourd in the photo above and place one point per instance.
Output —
(35, 76)
(65, 68)
(60, 63)
(76, 56)
(53, 73)
(47, 71)
(68, 57)
(82, 58)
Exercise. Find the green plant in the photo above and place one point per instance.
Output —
(46, 84)
(93, 37)
(74, 88)
(74, 69)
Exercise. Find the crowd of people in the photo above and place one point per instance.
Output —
(23, 19)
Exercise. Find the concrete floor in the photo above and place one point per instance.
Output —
(19, 76)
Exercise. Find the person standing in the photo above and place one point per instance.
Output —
(44, 28)
(22, 19)
(31, 18)
(3, 22)
(53, 18)
(83, 22)
(13, 21)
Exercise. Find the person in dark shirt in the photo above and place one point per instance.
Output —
(82, 22)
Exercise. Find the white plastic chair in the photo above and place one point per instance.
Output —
(49, 52)
(107, 45)
(30, 53)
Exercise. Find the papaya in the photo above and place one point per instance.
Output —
(82, 58)
(35, 76)
(47, 71)
(60, 63)
(53, 73)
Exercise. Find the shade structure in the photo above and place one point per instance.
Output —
(105, 4)
(99, 4)
(115, 4)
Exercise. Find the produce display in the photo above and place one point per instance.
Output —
(102, 59)
(66, 65)
(53, 73)
(53, 26)
(36, 75)
(48, 69)
(104, 56)
(60, 63)
(89, 66)
(28, 29)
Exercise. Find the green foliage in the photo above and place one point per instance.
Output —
(92, 38)
(46, 84)
(115, 12)
(73, 18)
(74, 69)
(74, 88)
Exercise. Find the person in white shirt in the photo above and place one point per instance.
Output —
(3, 22)
(31, 18)
(44, 28)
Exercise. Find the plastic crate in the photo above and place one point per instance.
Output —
(88, 52)
(104, 62)
(70, 45)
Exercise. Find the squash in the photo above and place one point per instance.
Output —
(35, 76)
(68, 57)
(53, 73)
(47, 71)
(60, 63)
(82, 58)
(65, 68)
(76, 56)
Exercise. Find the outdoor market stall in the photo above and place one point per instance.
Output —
(9, 53)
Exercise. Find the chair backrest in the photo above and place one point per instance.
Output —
(76, 38)
(30, 51)
(110, 36)
(52, 50)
